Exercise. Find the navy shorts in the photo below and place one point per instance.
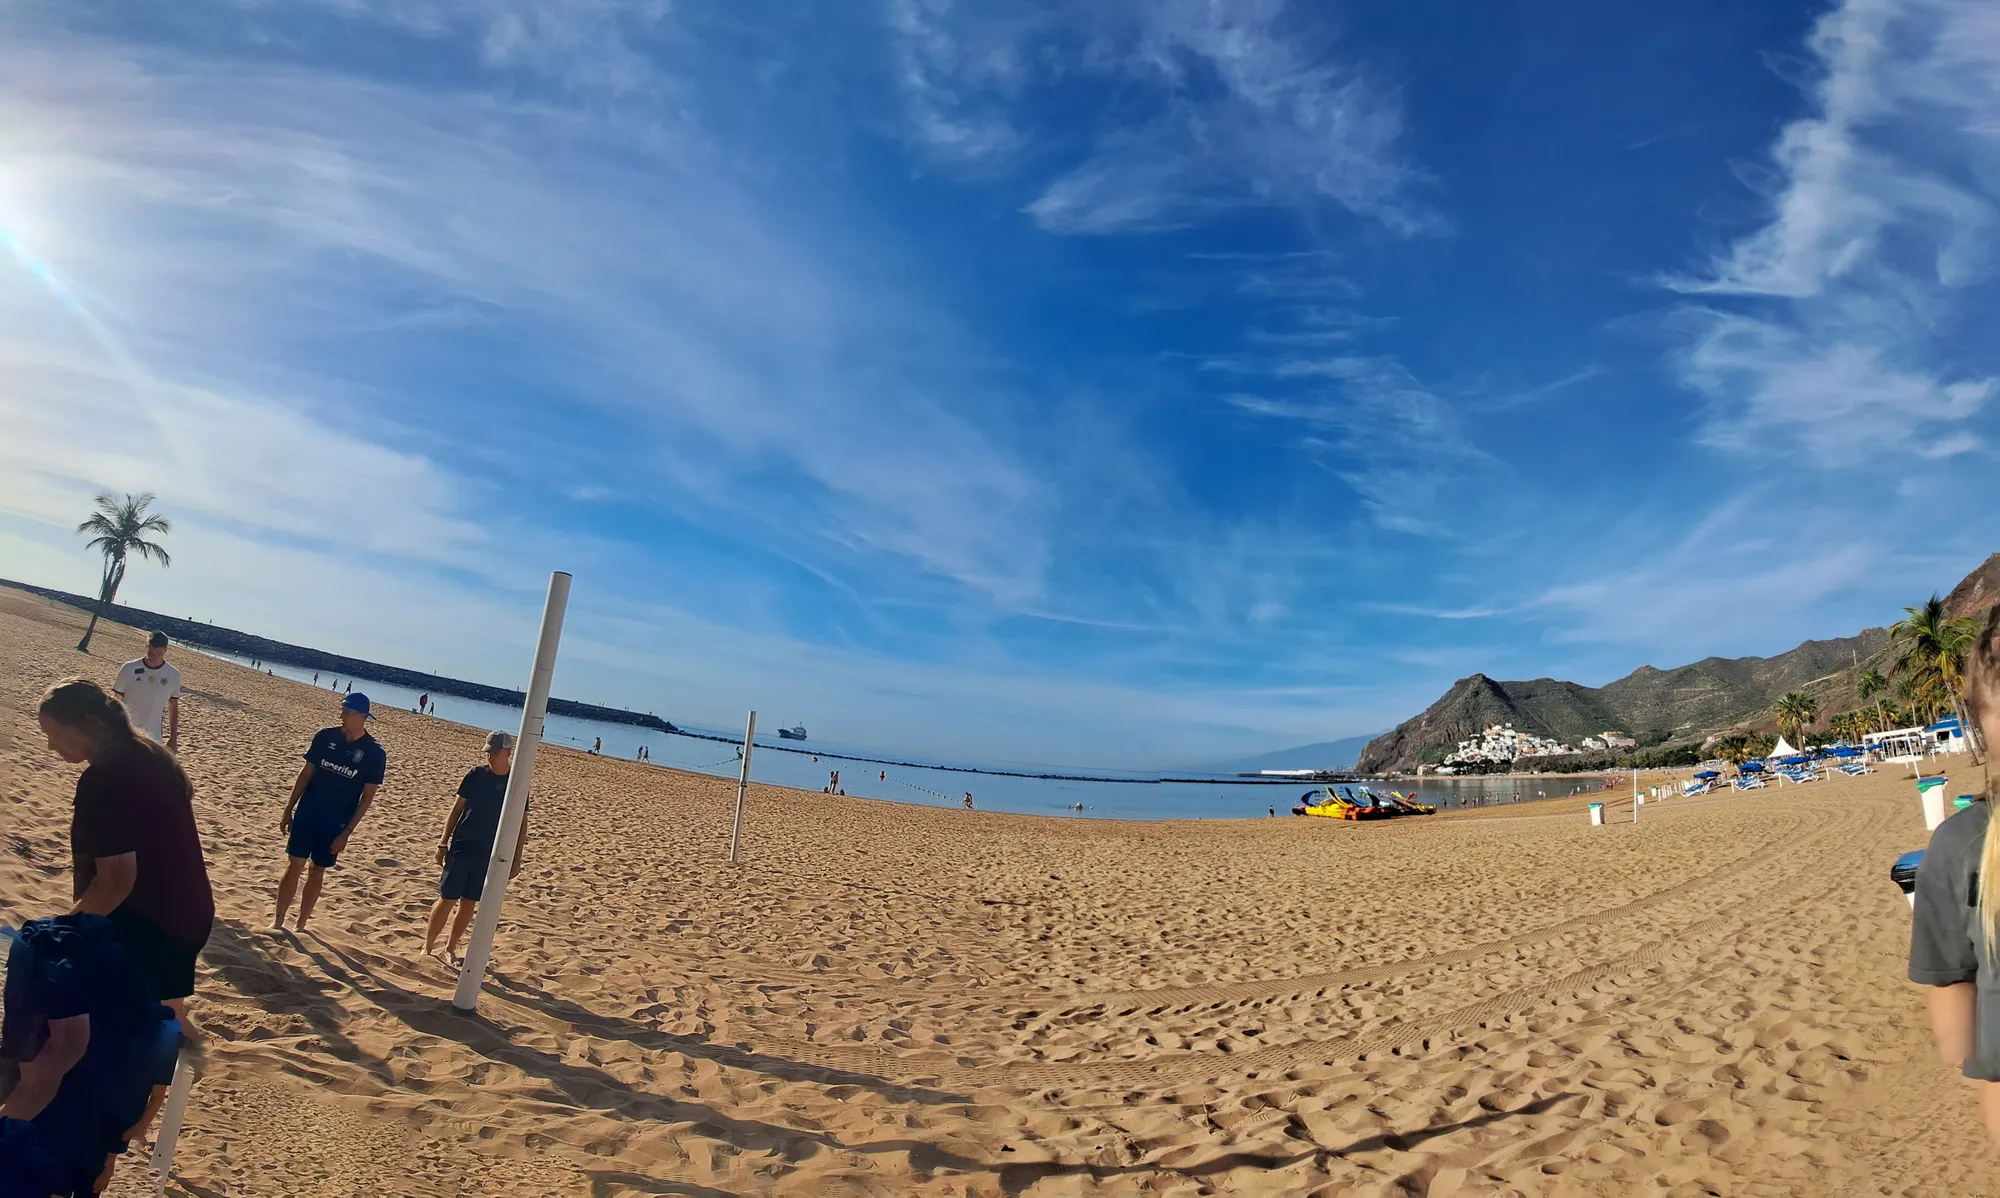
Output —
(166, 963)
(314, 842)
(464, 876)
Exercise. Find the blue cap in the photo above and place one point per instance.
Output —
(357, 702)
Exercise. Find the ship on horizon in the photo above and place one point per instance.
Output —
(796, 732)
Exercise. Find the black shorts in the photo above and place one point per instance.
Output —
(166, 962)
(313, 842)
(464, 876)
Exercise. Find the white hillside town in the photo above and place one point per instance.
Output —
(1502, 743)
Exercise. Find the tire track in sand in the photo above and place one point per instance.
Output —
(1186, 999)
(1181, 1068)
(962, 1071)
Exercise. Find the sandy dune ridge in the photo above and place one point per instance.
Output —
(904, 1000)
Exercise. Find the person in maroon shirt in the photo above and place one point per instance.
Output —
(137, 852)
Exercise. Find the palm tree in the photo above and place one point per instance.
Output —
(1923, 696)
(1871, 685)
(1796, 710)
(1735, 748)
(118, 531)
(1930, 654)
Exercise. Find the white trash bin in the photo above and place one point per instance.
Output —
(1931, 796)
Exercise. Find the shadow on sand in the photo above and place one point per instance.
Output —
(288, 988)
(571, 1084)
(611, 1027)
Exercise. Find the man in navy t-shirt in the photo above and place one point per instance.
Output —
(334, 790)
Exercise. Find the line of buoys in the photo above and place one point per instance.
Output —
(927, 790)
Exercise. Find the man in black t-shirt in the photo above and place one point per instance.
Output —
(336, 786)
(466, 847)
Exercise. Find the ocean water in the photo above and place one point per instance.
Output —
(806, 765)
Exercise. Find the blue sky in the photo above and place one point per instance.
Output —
(1106, 383)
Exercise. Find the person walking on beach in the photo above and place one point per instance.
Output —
(151, 689)
(423, 701)
(466, 846)
(335, 787)
(1955, 925)
(137, 853)
(596, 746)
(968, 800)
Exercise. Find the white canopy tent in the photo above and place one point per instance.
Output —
(1781, 749)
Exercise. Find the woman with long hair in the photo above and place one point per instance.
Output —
(136, 850)
(1955, 934)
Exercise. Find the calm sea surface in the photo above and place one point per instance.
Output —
(806, 764)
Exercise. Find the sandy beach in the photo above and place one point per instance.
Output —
(893, 1000)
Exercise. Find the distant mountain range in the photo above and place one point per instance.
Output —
(1690, 703)
(1326, 755)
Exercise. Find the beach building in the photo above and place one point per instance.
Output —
(1908, 744)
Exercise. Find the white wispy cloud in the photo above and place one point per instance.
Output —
(1883, 216)
(242, 462)
(1215, 107)
(1396, 442)
(1841, 398)
(956, 79)
(681, 310)
(586, 44)
(1479, 612)
(1717, 592)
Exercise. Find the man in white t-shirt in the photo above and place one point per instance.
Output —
(152, 692)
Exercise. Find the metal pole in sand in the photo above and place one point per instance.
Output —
(1635, 794)
(742, 784)
(171, 1115)
(513, 807)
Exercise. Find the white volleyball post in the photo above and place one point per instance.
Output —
(513, 808)
(742, 784)
(1635, 794)
(171, 1115)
